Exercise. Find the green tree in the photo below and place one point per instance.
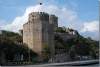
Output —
(61, 29)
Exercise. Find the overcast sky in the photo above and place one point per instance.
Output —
(82, 15)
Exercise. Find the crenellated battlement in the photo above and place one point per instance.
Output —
(43, 16)
(38, 16)
(39, 13)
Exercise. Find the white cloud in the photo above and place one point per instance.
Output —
(91, 29)
(63, 13)
(92, 26)
(67, 17)
(2, 22)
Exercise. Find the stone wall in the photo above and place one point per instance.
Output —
(39, 31)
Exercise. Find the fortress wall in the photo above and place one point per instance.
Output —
(39, 31)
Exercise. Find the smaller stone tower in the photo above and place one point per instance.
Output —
(53, 20)
(53, 23)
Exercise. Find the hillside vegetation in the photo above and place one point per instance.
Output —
(11, 46)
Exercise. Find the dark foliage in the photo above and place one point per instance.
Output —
(11, 45)
(78, 45)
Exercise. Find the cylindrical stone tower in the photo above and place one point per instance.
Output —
(38, 32)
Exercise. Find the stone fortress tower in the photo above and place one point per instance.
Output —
(38, 32)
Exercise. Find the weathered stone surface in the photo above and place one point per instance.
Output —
(39, 31)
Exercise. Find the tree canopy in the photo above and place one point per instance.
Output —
(11, 45)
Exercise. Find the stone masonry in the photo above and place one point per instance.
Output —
(39, 31)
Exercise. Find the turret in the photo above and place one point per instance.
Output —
(53, 20)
